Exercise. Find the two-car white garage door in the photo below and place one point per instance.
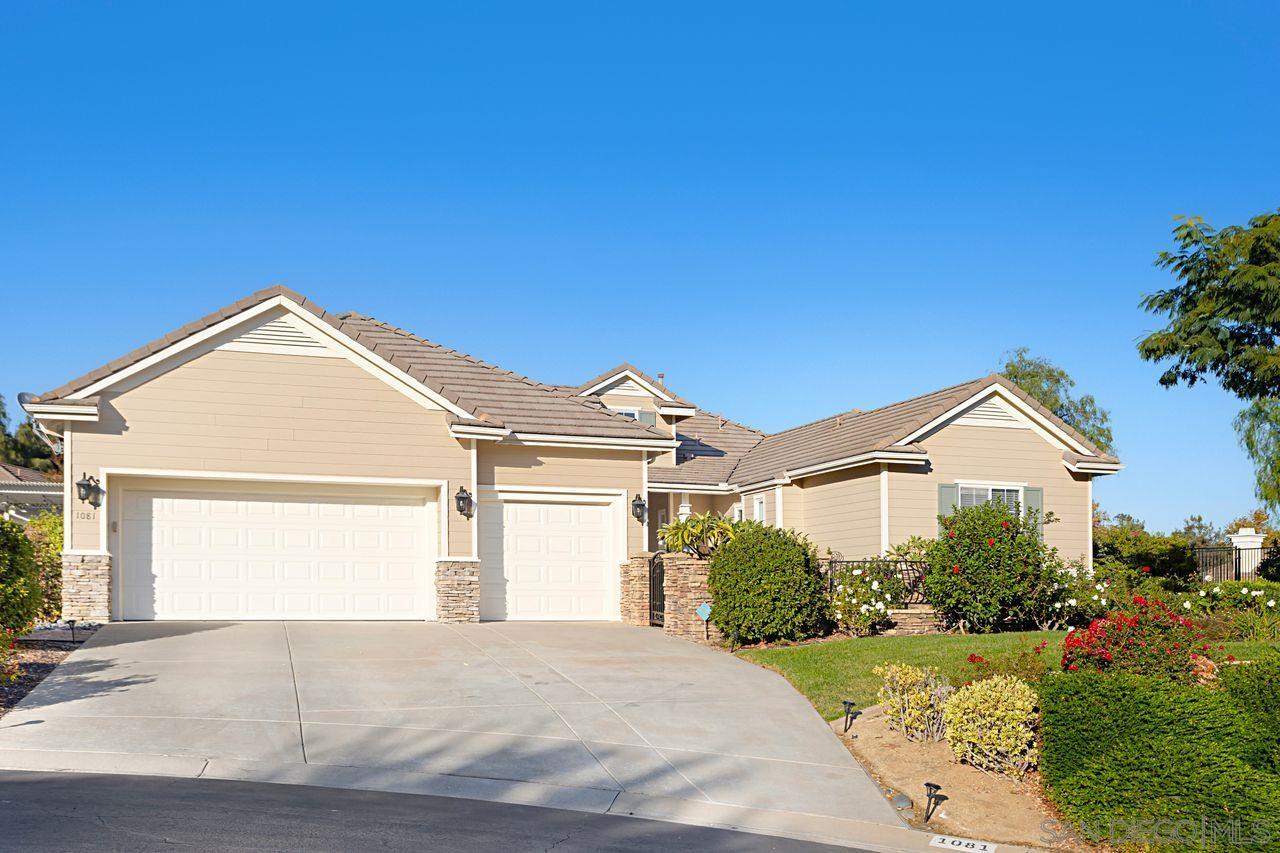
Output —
(258, 551)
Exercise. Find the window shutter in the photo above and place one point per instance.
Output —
(1034, 499)
(948, 498)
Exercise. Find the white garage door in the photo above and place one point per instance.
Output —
(548, 560)
(265, 555)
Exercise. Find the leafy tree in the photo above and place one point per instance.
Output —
(1051, 386)
(1196, 530)
(1224, 324)
(25, 447)
(1259, 520)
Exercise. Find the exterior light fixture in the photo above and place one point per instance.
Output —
(465, 504)
(89, 491)
(638, 508)
(850, 712)
(932, 799)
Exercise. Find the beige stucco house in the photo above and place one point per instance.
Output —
(276, 461)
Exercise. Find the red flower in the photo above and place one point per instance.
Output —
(991, 542)
(976, 658)
(1231, 658)
(955, 570)
(1073, 668)
(951, 534)
(1005, 525)
(1140, 601)
(1146, 569)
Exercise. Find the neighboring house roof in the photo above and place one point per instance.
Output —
(10, 473)
(488, 393)
(851, 434)
(625, 368)
(710, 447)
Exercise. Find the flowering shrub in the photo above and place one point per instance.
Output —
(1029, 664)
(991, 724)
(990, 568)
(1246, 610)
(8, 656)
(863, 595)
(1151, 640)
(1134, 551)
(913, 699)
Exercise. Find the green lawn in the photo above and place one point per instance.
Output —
(841, 669)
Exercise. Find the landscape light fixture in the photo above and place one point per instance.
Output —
(464, 502)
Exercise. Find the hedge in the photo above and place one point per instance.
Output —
(1121, 751)
(19, 578)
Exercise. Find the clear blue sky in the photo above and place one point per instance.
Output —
(791, 209)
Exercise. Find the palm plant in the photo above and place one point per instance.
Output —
(699, 534)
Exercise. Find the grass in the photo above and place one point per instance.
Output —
(829, 672)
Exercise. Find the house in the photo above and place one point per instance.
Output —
(276, 461)
(26, 491)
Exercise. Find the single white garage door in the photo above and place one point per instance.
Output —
(554, 560)
(261, 554)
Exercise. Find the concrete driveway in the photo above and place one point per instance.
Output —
(599, 717)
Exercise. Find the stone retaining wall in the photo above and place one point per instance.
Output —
(635, 590)
(916, 620)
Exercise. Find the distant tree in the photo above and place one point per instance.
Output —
(1196, 530)
(24, 447)
(1260, 520)
(1051, 386)
(1224, 324)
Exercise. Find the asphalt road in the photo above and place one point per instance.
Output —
(73, 811)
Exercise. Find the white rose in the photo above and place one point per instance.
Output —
(1057, 605)
(1217, 590)
(1104, 601)
(879, 605)
(1271, 603)
(1208, 577)
(1071, 602)
(1256, 593)
(1203, 593)
(857, 572)
(1099, 587)
(875, 584)
(1244, 590)
(1186, 605)
(1095, 597)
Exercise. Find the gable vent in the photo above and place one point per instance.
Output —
(627, 387)
(991, 413)
(282, 337)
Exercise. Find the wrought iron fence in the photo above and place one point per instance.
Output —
(1229, 563)
(910, 571)
(657, 592)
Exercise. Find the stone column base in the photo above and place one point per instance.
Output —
(684, 588)
(86, 587)
(635, 590)
(457, 591)
(913, 621)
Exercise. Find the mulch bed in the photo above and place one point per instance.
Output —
(36, 659)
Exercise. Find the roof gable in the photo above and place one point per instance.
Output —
(629, 380)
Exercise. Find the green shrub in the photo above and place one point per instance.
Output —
(1140, 553)
(45, 533)
(863, 595)
(914, 699)
(19, 578)
(1269, 568)
(991, 724)
(1245, 610)
(766, 585)
(8, 657)
(1123, 749)
(1254, 687)
(991, 568)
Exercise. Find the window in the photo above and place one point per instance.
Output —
(650, 418)
(759, 508)
(1010, 496)
(738, 513)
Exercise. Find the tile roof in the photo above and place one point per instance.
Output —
(608, 374)
(10, 473)
(853, 433)
(487, 392)
(710, 448)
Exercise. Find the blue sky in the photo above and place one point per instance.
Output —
(791, 209)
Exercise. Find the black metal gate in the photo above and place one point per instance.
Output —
(657, 597)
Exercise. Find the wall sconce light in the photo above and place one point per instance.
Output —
(465, 504)
(89, 491)
(638, 508)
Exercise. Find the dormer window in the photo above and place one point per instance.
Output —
(650, 418)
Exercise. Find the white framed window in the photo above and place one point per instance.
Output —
(976, 494)
(650, 418)
(738, 512)
(758, 507)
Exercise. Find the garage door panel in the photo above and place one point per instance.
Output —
(553, 560)
(238, 556)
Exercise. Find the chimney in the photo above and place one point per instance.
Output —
(662, 379)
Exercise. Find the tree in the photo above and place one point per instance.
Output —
(1197, 531)
(25, 447)
(1224, 324)
(1051, 386)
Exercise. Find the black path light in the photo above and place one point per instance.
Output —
(89, 491)
(464, 502)
(932, 799)
(638, 508)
